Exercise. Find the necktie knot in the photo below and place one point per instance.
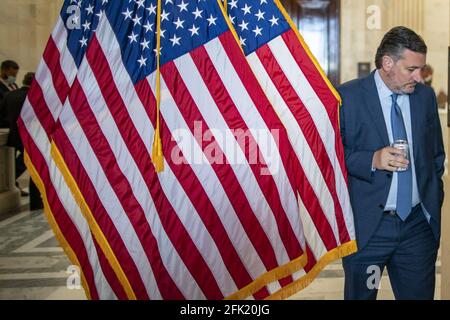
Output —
(394, 97)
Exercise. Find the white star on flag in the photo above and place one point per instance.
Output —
(274, 21)
(137, 20)
(145, 44)
(83, 42)
(194, 30)
(90, 9)
(152, 9)
(260, 15)
(142, 61)
(212, 20)
(246, 9)
(175, 40)
(127, 14)
(140, 3)
(148, 26)
(257, 31)
(233, 4)
(179, 23)
(182, 6)
(243, 25)
(164, 15)
(197, 13)
(86, 25)
(133, 37)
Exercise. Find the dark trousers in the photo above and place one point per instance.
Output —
(20, 163)
(407, 249)
(35, 196)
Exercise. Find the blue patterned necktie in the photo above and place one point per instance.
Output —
(404, 189)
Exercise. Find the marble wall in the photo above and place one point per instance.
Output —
(24, 30)
(26, 25)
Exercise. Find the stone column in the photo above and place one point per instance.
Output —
(9, 194)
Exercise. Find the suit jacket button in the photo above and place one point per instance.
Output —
(389, 175)
(381, 206)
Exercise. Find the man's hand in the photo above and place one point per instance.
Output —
(388, 159)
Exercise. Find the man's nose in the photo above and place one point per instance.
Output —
(417, 77)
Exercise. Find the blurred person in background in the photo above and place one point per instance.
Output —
(8, 75)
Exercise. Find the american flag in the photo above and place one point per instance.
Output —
(222, 220)
(55, 75)
(308, 106)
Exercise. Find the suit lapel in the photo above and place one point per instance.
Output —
(374, 108)
(414, 102)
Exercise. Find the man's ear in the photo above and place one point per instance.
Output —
(387, 63)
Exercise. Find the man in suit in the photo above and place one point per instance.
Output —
(397, 212)
(12, 105)
(8, 74)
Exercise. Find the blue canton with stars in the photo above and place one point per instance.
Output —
(256, 22)
(80, 18)
(185, 25)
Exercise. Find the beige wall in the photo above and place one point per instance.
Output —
(436, 31)
(26, 25)
(359, 41)
(24, 30)
(445, 285)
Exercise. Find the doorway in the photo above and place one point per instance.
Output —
(318, 23)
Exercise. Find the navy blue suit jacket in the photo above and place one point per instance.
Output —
(363, 131)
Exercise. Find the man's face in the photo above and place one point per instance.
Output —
(10, 72)
(405, 74)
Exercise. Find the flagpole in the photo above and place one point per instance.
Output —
(157, 156)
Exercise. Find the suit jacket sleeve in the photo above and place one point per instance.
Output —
(359, 162)
(3, 114)
(438, 146)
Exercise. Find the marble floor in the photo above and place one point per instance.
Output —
(330, 285)
(33, 266)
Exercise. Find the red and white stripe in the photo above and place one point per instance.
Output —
(309, 111)
(56, 70)
(193, 231)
